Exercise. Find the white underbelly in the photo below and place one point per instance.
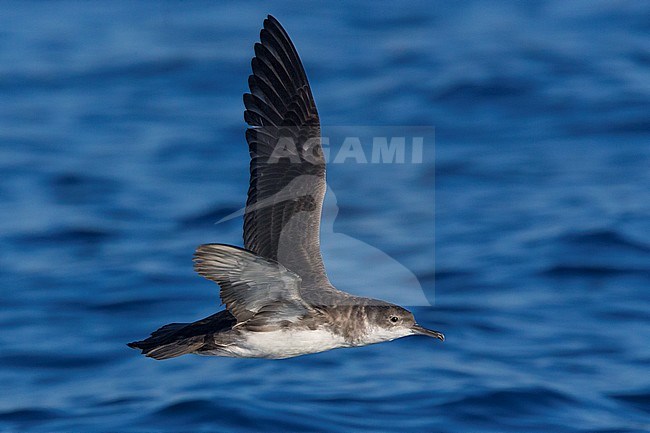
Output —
(285, 344)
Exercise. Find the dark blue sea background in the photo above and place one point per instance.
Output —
(527, 225)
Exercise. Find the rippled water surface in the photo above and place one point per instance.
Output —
(121, 144)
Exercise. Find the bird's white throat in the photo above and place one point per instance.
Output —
(377, 334)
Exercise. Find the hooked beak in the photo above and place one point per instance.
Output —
(417, 329)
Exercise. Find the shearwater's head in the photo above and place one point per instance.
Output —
(387, 322)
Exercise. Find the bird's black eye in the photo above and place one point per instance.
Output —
(394, 319)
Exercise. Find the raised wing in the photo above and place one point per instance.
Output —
(257, 291)
(287, 183)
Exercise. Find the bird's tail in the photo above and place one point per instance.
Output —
(167, 342)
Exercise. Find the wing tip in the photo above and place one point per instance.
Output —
(270, 19)
(272, 25)
(204, 251)
(207, 255)
(218, 247)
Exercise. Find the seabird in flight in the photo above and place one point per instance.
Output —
(279, 301)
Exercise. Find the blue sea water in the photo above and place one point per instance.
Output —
(528, 228)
